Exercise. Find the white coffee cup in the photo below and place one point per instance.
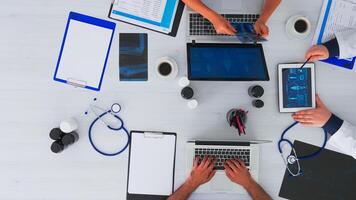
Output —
(68, 125)
(167, 68)
(298, 26)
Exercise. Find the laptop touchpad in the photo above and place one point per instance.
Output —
(221, 183)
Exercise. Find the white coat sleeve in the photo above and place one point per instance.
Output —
(347, 43)
(344, 140)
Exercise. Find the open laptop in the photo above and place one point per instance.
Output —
(237, 12)
(248, 151)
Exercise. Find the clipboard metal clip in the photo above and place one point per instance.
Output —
(76, 83)
(153, 135)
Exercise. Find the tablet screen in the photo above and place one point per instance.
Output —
(297, 87)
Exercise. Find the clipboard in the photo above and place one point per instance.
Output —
(151, 165)
(149, 24)
(84, 51)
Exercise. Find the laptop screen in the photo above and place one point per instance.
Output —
(226, 62)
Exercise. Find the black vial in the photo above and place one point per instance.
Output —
(57, 146)
(70, 138)
(187, 93)
(258, 103)
(256, 91)
(56, 134)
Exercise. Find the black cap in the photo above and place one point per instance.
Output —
(256, 91)
(56, 134)
(68, 139)
(187, 93)
(258, 103)
(57, 146)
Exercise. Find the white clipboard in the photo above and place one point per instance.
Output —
(84, 51)
(151, 165)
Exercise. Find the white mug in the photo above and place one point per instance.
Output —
(167, 68)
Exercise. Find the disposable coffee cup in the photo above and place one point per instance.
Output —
(298, 27)
(167, 68)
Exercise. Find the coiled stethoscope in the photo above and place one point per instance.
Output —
(114, 110)
(294, 158)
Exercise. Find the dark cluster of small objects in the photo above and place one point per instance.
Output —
(62, 140)
(256, 92)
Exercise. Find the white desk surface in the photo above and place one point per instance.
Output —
(32, 103)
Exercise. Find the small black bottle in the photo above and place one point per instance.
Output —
(56, 134)
(57, 146)
(256, 91)
(187, 93)
(70, 138)
(258, 103)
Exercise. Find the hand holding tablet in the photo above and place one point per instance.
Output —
(296, 87)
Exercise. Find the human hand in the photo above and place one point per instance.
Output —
(202, 173)
(317, 52)
(222, 26)
(313, 117)
(261, 28)
(237, 172)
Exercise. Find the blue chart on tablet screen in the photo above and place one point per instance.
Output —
(297, 88)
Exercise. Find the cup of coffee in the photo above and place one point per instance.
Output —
(167, 68)
(298, 27)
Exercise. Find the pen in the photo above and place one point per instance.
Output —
(305, 62)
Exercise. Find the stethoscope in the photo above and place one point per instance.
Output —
(114, 110)
(294, 158)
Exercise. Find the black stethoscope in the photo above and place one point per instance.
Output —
(114, 110)
(294, 158)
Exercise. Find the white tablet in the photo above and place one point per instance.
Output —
(296, 87)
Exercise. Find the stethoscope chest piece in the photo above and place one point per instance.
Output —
(291, 159)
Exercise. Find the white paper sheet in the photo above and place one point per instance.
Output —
(84, 53)
(151, 164)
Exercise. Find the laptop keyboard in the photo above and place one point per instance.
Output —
(221, 155)
(199, 26)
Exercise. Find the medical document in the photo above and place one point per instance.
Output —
(148, 9)
(340, 15)
(336, 16)
(152, 14)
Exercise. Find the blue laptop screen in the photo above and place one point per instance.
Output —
(226, 62)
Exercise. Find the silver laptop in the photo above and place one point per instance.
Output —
(248, 151)
(235, 11)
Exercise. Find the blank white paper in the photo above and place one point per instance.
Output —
(84, 53)
(151, 165)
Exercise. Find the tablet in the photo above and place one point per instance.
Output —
(296, 87)
(226, 62)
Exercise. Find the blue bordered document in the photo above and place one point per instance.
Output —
(84, 51)
(159, 15)
(336, 16)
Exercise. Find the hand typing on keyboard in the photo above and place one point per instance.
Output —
(261, 28)
(222, 26)
(203, 171)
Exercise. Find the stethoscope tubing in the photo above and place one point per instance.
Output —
(122, 127)
(282, 139)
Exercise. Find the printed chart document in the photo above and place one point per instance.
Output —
(336, 16)
(148, 9)
(159, 15)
